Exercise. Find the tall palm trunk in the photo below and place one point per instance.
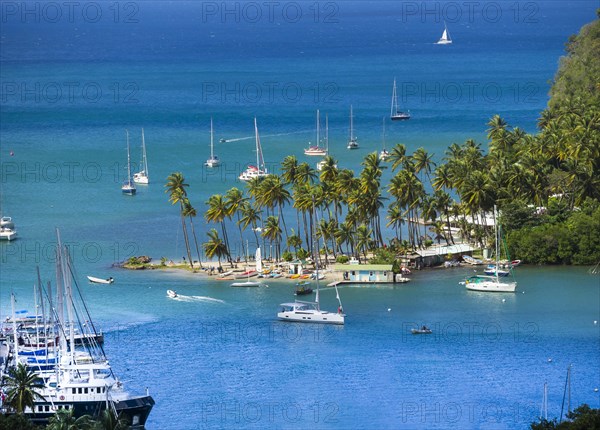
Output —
(196, 242)
(186, 239)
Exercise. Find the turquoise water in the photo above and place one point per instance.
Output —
(217, 358)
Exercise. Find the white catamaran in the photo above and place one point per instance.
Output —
(142, 177)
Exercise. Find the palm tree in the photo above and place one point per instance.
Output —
(176, 188)
(218, 211)
(63, 419)
(108, 421)
(289, 168)
(215, 246)
(234, 199)
(272, 231)
(397, 156)
(250, 217)
(363, 239)
(21, 388)
(190, 212)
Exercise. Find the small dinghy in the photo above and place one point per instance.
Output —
(95, 280)
(422, 330)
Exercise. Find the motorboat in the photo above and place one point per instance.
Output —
(303, 288)
(172, 294)
(95, 280)
(422, 330)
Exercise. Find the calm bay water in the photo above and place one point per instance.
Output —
(217, 358)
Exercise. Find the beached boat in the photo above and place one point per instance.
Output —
(472, 261)
(395, 113)
(445, 39)
(352, 141)
(247, 274)
(142, 177)
(213, 160)
(260, 170)
(172, 294)
(95, 280)
(128, 187)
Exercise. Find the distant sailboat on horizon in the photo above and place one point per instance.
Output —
(445, 39)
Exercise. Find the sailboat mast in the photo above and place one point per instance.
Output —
(211, 138)
(145, 160)
(318, 125)
(383, 133)
(394, 100)
(128, 159)
(351, 125)
(496, 239)
(327, 134)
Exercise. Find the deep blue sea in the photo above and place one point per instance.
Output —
(75, 75)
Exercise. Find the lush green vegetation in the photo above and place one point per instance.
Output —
(582, 418)
(547, 185)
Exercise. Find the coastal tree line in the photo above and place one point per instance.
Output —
(549, 181)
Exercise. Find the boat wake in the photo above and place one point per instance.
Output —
(205, 299)
(237, 139)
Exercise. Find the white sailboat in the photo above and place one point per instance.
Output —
(141, 177)
(213, 161)
(316, 150)
(128, 187)
(491, 283)
(353, 141)
(260, 170)
(383, 154)
(323, 162)
(445, 39)
(310, 312)
(248, 282)
(395, 113)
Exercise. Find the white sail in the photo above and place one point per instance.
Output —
(258, 259)
(445, 39)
